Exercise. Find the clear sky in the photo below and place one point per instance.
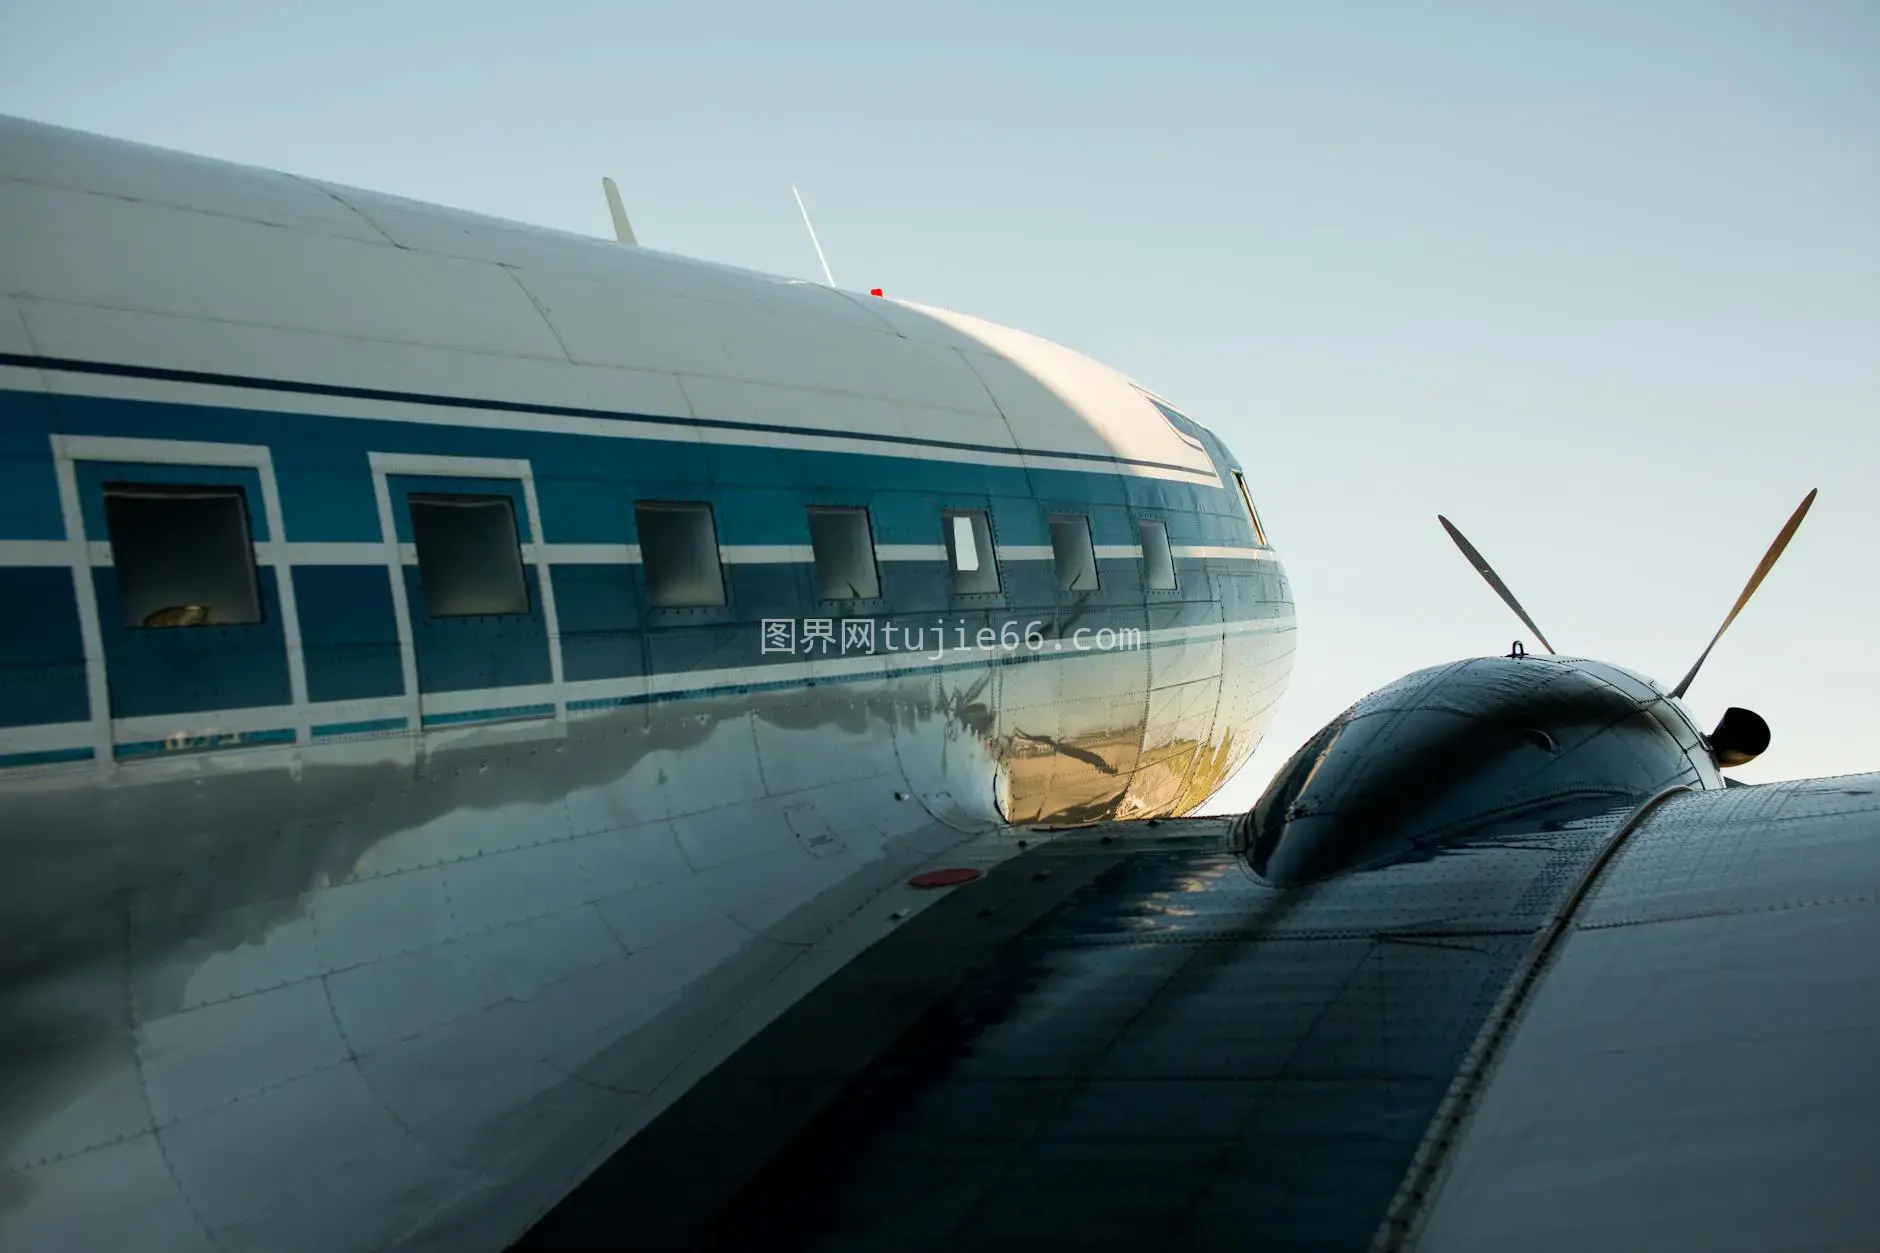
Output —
(1601, 281)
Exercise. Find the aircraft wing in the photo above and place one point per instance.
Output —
(1699, 1066)
(1652, 1029)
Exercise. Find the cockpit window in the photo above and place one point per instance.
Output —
(1179, 422)
(1259, 532)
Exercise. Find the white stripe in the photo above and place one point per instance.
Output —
(325, 713)
(1224, 553)
(64, 735)
(753, 554)
(163, 451)
(488, 698)
(77, 383)
(19, 378)
(35, 552)
(91, 634)
(733, 676)
(593, 554)
(45, 739)
(284, 590)
(551, 615)
(633, 686)
(419, 463)
(910, 552)
(321, 553)
(208, 722)
(53, 552)
(1259, 626)
(401, 607)
(408, 553)
(1213, 630)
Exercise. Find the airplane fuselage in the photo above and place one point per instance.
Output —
(459, 679)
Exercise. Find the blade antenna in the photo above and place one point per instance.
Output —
(623, 230)
(1755, 581)
(1494, 580)
(814, 243)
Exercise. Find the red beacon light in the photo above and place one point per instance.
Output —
(874, 291)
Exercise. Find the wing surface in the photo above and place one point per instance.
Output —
(1649, 1029)
(1699, 1066)
(1118, 1040)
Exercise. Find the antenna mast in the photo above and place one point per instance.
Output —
(623, 231)
(812, 235)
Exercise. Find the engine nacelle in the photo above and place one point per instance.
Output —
(1473, 750)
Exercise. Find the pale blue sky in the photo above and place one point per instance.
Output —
(1599, 281)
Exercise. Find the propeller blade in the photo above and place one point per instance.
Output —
(1494, 580)
(1755, 581)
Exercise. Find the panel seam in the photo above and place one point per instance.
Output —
(1409, 1209)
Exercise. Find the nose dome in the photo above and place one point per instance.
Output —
(1468, 750)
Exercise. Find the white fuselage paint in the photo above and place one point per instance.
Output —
(394, 980)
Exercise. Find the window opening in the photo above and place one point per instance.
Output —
(184, 556)
(1158, 563)
(969, 552)
(679, 549)
(1075, 559)
(469, 558)
(1259, 532)
(845, 554)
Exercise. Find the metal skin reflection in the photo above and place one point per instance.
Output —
(491, 959)
(1468, 751)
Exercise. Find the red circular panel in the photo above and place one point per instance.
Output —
(943, 878)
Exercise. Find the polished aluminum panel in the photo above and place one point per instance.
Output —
(1121, 1040)
(1700, 1068)
(411, 998)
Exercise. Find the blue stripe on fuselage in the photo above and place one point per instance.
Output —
(585, 486)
